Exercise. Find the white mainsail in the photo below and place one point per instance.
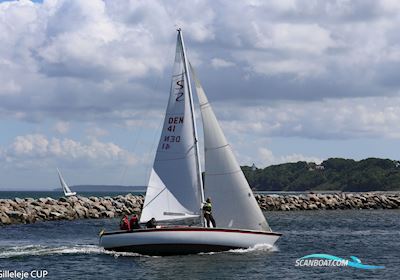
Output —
(174, 190)
(66, 189)
(234, 205)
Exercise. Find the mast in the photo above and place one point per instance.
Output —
(196, 142)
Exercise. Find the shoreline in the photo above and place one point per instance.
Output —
(29, 210)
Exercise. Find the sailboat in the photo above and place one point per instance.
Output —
(175, 192)
(64, 186)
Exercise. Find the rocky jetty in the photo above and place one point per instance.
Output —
(29, 210)
(335, 201)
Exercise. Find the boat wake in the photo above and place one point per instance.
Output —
(256, 248)
(40, 250)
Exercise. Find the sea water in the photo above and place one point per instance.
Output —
(69, 250)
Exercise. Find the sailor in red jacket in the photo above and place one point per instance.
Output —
(134, 222)
(124, 225)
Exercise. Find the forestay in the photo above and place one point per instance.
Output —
(234, 205)
(173, 191)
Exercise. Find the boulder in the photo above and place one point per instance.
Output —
(81, 213)
(14, 214)
(50, 201)
(43, 214)
(72, 199)
(312, 206)
(16, 217)
(42, 200)
(55, 214)
(99, 207)
(36, 203)
(93, 213)
(117, 204)
(4, 219)
(285, 207)
(94, 199)
(19, 200)
(108, 214)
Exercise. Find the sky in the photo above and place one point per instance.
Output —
(84, 84)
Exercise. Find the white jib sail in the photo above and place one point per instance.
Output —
(173, 190)
(234, 205)
(64, 185)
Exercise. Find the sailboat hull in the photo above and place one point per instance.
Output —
(70, 194)
(184, 240)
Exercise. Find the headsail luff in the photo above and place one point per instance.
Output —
(234, 205)
(173, 191)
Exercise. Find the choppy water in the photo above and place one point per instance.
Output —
(68, 250)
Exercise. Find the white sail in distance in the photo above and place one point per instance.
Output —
(64, 186)
(173, 191)
(234, 205)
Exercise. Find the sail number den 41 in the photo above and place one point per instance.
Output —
(172, 125)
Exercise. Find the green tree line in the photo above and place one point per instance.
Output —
(371, 174)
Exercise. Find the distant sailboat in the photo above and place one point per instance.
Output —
(64, 186)
(175, 190)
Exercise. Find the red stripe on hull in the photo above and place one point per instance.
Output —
(194, 229)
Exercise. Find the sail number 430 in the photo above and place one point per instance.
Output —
(170, 139)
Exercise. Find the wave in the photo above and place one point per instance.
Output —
(40, 250)
(256, 248)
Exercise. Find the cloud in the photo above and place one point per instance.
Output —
(107, 61)
(267, 158)
(292, 37)
(327, 119)
(221, 63)
(94, 131)
(34, 150)
(9, 87)
(291, 66)
(285, 69)
(62, 127)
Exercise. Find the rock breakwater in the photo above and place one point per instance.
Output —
(334, 201)
(29, 210)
